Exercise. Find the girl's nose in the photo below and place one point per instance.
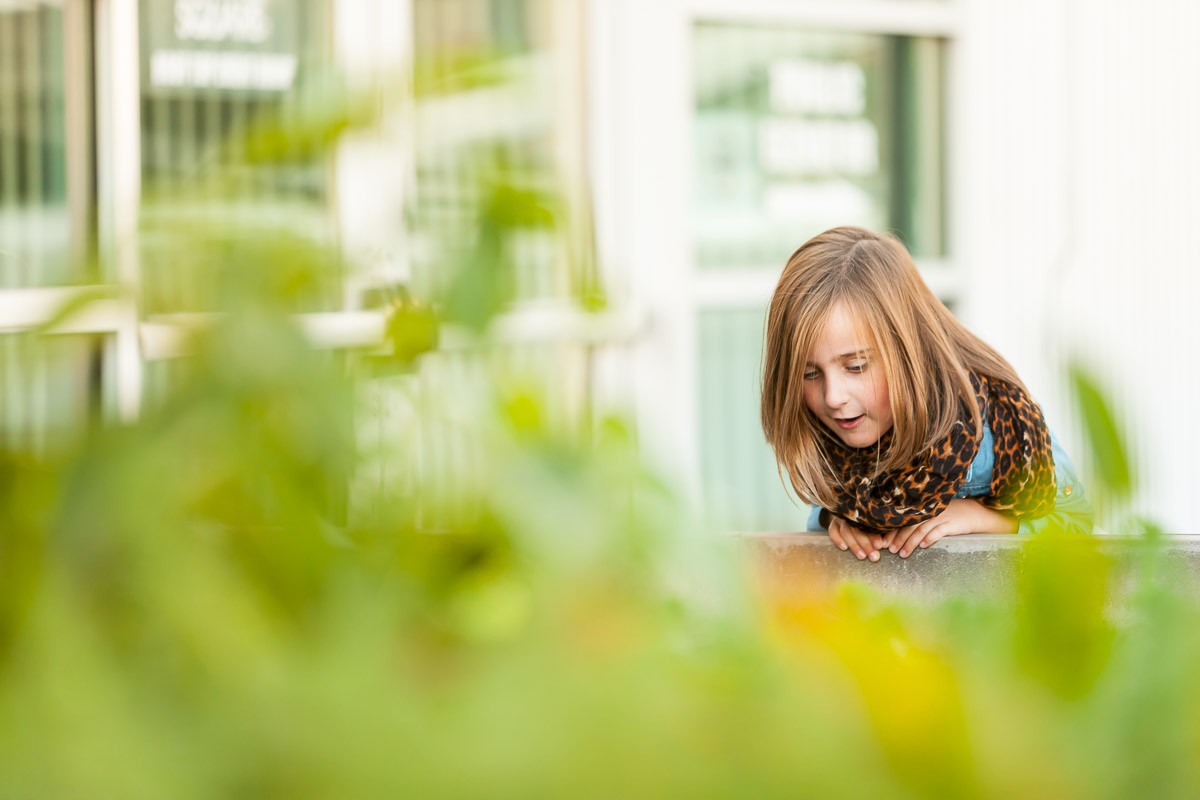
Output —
(835, 393)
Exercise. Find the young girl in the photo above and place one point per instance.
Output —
(897, 423)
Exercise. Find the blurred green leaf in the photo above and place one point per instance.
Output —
(27, 499)
(411, 328)
(460, 70)
(1063, 637)
(1103, 436)
(515, 207)
(482, 282)
(308, 128)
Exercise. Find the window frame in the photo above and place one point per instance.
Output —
(641, 111)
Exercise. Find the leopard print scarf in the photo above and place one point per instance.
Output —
(1022, 475)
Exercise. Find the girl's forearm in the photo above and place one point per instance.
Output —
(988, 520)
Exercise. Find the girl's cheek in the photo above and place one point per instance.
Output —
(879, 389)
(812, 395)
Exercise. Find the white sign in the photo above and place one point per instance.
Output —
(222, 21)
(222, 69)
(806, 86)
(223, 45)
(818, 146)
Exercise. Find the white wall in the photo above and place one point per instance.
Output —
(1080, 188)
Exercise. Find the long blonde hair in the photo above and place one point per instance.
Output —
(924, 351)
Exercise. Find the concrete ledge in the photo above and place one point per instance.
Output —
(984, 566)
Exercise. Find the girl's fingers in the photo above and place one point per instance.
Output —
(911, 540)
(923, 532)
(835, 536)
(903, 541)
(933, 536)
(870, 549)
(863, 546)
(899, 537)
(855, 540)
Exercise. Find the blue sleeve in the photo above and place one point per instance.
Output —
(814, 520)
(979, 474)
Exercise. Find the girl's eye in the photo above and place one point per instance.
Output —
(858, 367)
(811, 375)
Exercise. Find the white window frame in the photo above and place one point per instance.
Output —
(365, 54)
(641, 112)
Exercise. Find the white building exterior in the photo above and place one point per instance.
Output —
(1071, 141)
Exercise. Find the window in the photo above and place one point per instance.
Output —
(211, 73)
(794, 131)
(35, 224)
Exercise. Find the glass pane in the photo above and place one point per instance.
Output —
(213, 71)
(798, 131)
(485, 116)
(35, 234)
(742, 489)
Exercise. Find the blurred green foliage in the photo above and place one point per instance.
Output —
(463, 69)
(1107, 444)
(481, 285)
(226, 600)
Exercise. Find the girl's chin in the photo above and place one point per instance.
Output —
(863, 434)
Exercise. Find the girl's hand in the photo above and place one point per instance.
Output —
(861, 543)
(961, 516)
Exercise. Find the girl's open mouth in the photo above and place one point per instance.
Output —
(850, 424)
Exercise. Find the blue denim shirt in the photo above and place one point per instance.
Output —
(1071, 508)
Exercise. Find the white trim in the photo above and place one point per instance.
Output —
(26, 309)
(550, 324)
(78, 60)
(372, 168)
(916, 18)
(957, 101)
(119, 133)
(734, 287)
(163, 340)
(641, 111)
(166, 335)
(119, 156)
(337, 329)
(608, 148)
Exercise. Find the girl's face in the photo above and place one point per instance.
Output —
(844, 384)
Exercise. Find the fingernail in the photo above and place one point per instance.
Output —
(874, 556)
(861, 554)
(844, 547)
(892, 549)
(904, 554)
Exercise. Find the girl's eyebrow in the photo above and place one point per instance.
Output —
(863, 353)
